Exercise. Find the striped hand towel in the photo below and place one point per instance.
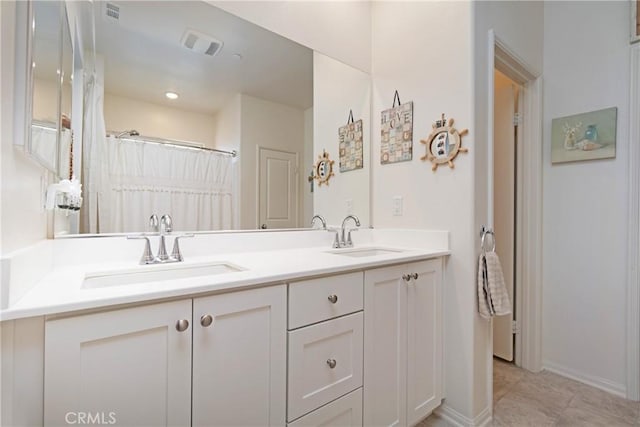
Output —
(493, 298)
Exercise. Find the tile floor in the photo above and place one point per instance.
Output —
(522, 398)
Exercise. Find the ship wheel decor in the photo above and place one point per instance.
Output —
(323, 169)
(444, 143)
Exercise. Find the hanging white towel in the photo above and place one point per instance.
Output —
(493, 298)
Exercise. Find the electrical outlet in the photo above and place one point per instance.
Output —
(397, 205)
(349, 206)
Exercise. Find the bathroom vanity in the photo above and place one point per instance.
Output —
(295, 334)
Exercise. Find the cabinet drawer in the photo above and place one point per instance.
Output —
(344, 412)
(325, 362)
(315, 300)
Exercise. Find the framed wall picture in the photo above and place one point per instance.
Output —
(586, 136)
(350, 141)
(397, 134)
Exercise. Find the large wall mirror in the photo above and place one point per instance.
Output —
(194, 112)
(48, 121)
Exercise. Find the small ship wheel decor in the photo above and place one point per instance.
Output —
(323, 169)
(444, 143)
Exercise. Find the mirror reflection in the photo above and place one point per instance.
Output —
(193, 112)
(51, 59)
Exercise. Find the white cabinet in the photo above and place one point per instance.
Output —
(325, 372)
(403, 343)
(134, 366)
(239, 359)
(130, 366)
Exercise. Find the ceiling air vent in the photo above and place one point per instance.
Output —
(201, 43)
(112, 11)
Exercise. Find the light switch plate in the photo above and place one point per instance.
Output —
(349, 206)
(397, 205)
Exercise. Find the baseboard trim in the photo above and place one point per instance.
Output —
(449, 414)
(603, 384)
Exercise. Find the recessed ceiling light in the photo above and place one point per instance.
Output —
(171, 95)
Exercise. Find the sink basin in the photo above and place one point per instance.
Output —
(364, 252)
(156, 273)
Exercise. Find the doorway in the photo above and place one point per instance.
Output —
(506, 121)
(278, 189)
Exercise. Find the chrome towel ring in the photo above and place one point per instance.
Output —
(484, 233)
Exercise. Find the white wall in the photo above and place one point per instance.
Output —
(340, 29)
(586, 67)
(45, 100)
(432, 200)
(270, 125)
(337, 89)
(23, 220)
(122, 113)
(520, 25)
(227, 136)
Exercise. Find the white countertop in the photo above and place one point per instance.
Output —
(60, 290)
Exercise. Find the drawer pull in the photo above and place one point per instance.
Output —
(182, 325)
(333, 299)
(406, 277)
(206, 320)
(332, 363)
(414, 276)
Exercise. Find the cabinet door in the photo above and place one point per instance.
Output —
(385, 347)
(239, 360)
(424, 341)
(123, 367)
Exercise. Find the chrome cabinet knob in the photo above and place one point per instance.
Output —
(406, 277)
(414, 276)
(332, 363)
(333, 299)
(182, 325)
(206, 320)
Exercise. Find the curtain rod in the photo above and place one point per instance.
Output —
(176, 142)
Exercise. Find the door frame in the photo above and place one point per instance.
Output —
(528, 304)
(633, 272)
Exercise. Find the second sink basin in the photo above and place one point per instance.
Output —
(156, 273)
(364, 252)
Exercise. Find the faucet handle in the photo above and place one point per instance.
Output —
(147, 255)
(175, 252)
(349, 242)
(167, 223)
(154, 224)
(336, 239)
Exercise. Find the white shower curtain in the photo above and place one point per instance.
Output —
(126, 181)
(193, 186)
(93, 143)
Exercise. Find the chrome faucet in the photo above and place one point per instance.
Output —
(154, 224)
(322, 220)
(348, 243)
(343, 236)
(164, 227)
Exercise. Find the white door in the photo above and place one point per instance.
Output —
(504, 180)
(385, 347)
(278, 193)
(125, 367)
(424, 339)
(239, 358)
